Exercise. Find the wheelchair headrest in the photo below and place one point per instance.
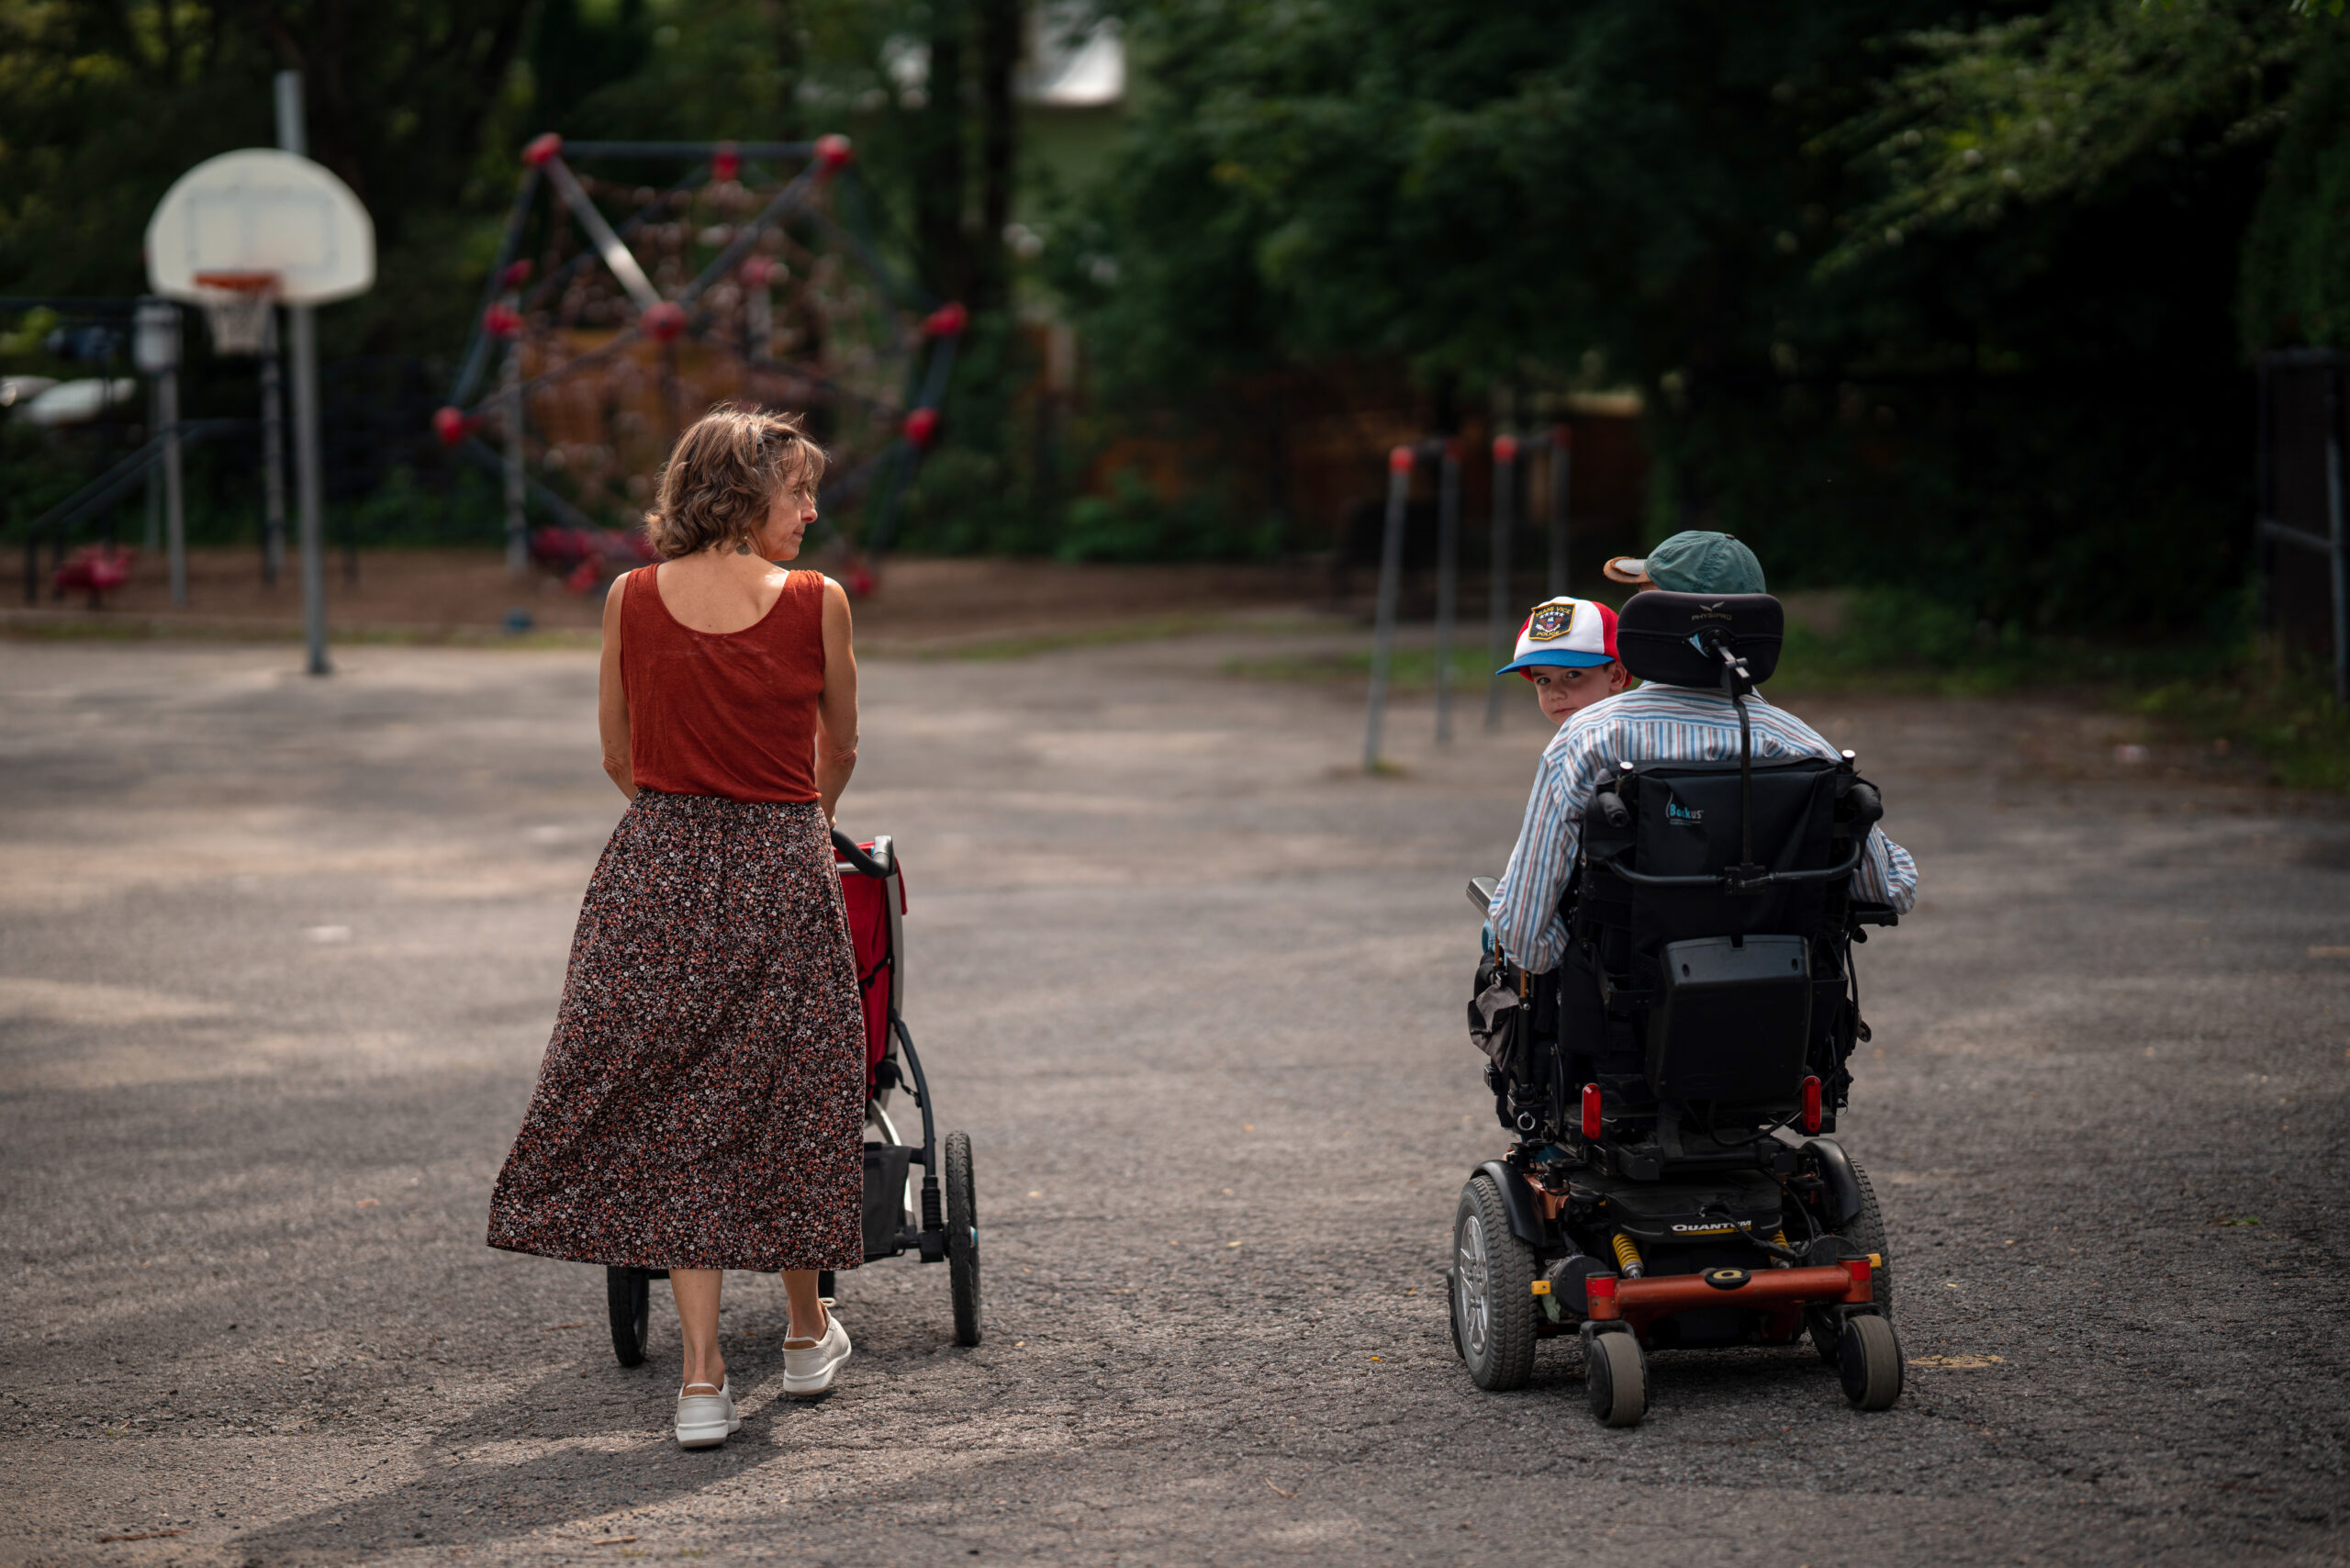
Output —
(1668, 637)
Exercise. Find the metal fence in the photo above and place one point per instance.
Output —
(2304, 556)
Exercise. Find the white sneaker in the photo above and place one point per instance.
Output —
(809, 1371)
(705, 1420)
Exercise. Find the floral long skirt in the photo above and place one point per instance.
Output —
(703, 1102)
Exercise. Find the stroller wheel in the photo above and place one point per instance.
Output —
(1493, 1290)
(629, 1293)
(962, 1239)
(1616, 1379)
(1870, 1364)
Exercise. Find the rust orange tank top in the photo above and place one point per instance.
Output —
(726, 713)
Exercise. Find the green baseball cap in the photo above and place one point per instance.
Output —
(1698, 561)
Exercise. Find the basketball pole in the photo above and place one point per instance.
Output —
(309, 486)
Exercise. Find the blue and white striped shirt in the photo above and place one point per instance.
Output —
(1654, 723)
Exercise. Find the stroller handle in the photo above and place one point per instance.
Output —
(882, 863)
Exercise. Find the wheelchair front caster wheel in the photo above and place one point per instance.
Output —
(1869, 1362)
(1615, 1377)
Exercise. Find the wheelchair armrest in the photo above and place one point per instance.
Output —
(1481, 891)
(1874, 914)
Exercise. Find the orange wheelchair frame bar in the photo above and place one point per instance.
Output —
(1641, 1302)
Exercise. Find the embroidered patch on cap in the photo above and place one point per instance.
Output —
(1551, 621)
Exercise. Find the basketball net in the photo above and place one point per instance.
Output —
(238, 308)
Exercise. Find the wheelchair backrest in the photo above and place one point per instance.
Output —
(1685, 822)
(1725, 984)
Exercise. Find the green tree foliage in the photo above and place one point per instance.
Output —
(2029, 404)
(2078, 103)
(420, 105)
(102, 106)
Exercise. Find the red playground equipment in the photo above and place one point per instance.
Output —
(753, 279)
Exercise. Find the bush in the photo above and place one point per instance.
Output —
(1133, 523)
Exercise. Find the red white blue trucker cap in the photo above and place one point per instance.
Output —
(1576, 632)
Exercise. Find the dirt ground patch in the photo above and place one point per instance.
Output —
(468, 595)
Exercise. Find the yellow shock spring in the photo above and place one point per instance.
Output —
(1779, 1239)
(1627, 1257)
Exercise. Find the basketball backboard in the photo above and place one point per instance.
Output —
(260, 210)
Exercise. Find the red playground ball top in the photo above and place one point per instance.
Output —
(665, 322)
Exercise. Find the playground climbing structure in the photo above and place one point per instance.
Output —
(617, 311)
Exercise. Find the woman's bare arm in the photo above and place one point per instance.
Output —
(611, 697)
(836, 710)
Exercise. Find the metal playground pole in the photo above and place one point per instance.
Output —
(1498, 601)
(273, 457)
(2337, 536)
(1391, 571)
(1563, 458)
(509, 400)
(1448, 584)
(155, 348)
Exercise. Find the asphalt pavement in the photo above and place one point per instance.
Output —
(279, 957)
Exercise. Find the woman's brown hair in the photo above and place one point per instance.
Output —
(725, 473)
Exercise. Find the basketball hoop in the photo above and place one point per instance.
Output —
(238, 308)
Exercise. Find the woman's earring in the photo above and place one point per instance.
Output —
(742, 548)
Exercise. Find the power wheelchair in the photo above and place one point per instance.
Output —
(1672, 1082)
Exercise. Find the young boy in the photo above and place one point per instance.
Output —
(1567, 648)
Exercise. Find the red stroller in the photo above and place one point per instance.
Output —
(942, 1223)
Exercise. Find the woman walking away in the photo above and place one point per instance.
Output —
(701, 1106)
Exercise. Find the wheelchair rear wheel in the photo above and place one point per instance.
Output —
(1864, 1230)
(1616, 1379)
(629, 1295)
(1493, 1290)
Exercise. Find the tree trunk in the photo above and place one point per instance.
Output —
(999, 39)
(938, 162)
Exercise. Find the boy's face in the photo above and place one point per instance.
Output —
(1562, 690)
